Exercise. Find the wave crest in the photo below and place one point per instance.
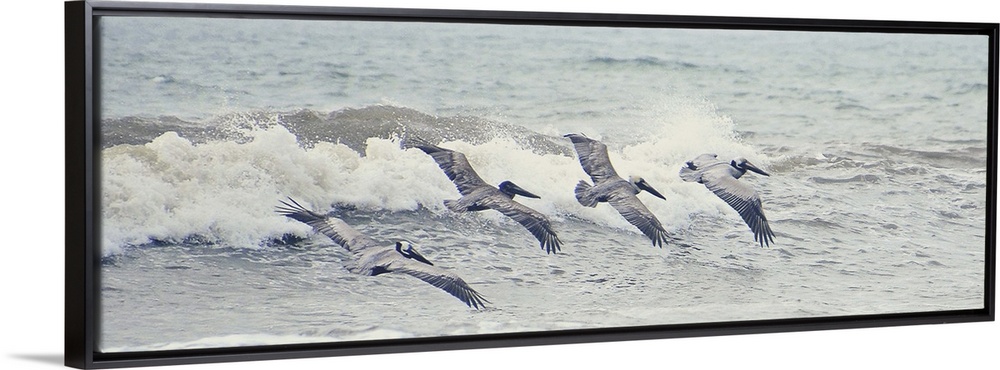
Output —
(218, 184)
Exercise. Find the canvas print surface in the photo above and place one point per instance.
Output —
(289, 181)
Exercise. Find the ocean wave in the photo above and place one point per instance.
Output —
(349, 126)
(869, 162)
(961, 157)
(858, 178)
(220, 185)
(646, 61)
(970, 88)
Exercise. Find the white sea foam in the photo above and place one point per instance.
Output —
(225, 192)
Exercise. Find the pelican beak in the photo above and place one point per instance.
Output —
(514, 189)
(417, 256)
(753, 168)
(645, 186)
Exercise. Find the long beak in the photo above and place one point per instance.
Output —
(753, 168)
(645, 186)
(519, 191)
(417, 256)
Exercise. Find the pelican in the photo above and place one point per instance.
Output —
(721, 178)
(609, 187)
(477, 195)
(374, 259)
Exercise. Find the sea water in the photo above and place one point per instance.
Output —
(875, 143)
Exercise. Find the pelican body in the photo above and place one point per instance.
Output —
(722, 179)
(477, 195)
(616, 191)
(372, 258)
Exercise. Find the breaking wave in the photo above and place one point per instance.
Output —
(217, 183)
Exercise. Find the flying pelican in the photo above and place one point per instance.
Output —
(477, 195)
(721, 178)
(375, 259)
(609, 187)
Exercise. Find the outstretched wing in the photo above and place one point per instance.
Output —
(535, 222)
(630, 207)
(334, 228)
(456, 166)
(354, 241)
(745, 200)
(441, 278)
(593, 157)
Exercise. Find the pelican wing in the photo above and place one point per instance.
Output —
(630, 207)
(334, 228)
(441, 278)
(593, 157)
(531, 219)
(745, 200)
(456, 166)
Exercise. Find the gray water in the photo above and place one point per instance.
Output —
(876, 146)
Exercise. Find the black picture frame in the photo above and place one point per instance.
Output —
(82, 185)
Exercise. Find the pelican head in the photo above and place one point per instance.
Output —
(405, 248)
(512, 189)
(743, 164)
(640, 184)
